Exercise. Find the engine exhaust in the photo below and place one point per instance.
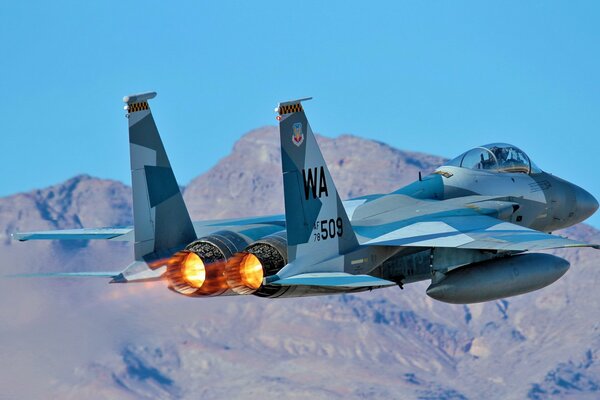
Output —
(187, 274)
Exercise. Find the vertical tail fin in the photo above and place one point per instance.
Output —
(317, 224)
(161, 220)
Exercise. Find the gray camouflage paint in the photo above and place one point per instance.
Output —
(546, 202)
(317, 224)
(429, 229)
(161, 220)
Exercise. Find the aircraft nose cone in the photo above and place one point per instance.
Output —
(586, 204)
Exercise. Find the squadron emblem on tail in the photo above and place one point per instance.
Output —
(298, 136)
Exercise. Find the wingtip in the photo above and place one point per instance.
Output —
(21, 237)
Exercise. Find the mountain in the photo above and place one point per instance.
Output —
(86, 339)
(248, 181)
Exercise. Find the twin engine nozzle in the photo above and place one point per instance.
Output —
(210, 267)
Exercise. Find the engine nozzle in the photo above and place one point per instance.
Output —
(189, 275)
(244, 273)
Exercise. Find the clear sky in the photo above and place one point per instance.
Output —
(432, 76)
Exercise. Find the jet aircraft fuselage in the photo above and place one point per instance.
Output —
(469, 227)
(545, 202)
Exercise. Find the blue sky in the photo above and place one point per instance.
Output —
(436, 76)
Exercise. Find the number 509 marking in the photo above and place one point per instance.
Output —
(330, 228)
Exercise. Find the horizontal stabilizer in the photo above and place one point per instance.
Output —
(140, 271)
(137, 271)
(333, 279)
(118, 234)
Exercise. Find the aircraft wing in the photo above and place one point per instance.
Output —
(125, 234)
(90, 274)
(119, 234)
(480, 232)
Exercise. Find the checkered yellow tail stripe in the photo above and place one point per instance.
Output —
(290, 108)
(135, 107)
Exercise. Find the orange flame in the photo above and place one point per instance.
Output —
(193, 270)
(251, 271)
(244, 273)
(188, 275)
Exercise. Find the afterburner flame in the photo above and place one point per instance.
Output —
(244, 273)
(193, 270)
(251, 271)
(187, 274)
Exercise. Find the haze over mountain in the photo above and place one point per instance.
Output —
(86, 339)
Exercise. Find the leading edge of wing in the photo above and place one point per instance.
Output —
(66, 275)
(125, 234)
(471, 232)
(332, 279)
(119, 234)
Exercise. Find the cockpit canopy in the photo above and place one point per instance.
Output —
(496, 157)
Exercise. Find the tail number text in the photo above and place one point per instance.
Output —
(328, 229)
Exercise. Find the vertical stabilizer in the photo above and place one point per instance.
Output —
(161, 220)
(316, 221)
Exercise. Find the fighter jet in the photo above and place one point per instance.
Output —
(469, 227)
